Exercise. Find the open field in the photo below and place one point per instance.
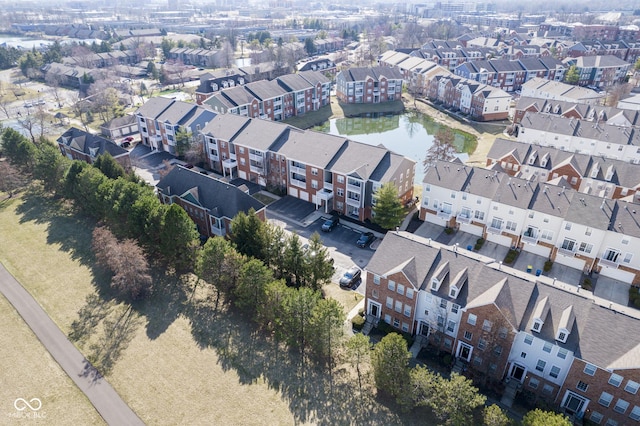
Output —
(177, 358)
(28, 371)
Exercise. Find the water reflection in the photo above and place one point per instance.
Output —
(409, 134)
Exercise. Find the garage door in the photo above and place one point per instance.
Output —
(242, 174)
(471, 229)
(617, 274)
(304, 196)
(537, 249)
(293, 192)
(432, 218)
(499, 239)
(570, 261)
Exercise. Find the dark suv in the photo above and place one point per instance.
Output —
(365, 239)
(351, 277)
(331, 223)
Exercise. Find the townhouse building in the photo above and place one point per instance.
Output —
(616, 116)
(160, 119)
(556, 90)
(332, 172)
(369, 85)
(603, 177)
(599, 71)
(558, 345)
(584, 137)
(209, 202)
(76, 144)
(480, 101)
(276, 100)
(215, 81)
(209, 58)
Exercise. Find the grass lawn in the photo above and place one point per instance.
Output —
(347, 298)
(178, 358)
(28, 371)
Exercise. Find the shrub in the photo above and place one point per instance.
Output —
(547, 265)
(446, 359)
(511, 256)
(587, 284)
(448, 231)
(634, 296)
(479, 244)
(357, 322)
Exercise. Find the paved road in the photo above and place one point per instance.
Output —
(103, 397)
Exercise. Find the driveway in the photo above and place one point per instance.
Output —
(103, 397)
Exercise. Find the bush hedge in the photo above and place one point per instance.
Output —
(357, 322)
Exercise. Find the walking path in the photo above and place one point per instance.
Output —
(103, 397)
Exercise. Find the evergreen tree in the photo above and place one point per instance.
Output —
(539, 417)
(250, 235)
(388, 210)
(572, 76)
(390, 361)
(178, 238)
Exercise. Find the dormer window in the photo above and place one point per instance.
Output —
(435, 284)
(537, 326)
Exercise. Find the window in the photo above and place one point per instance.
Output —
(621, 406)
(376, 279)
(454, 308)
(486, 325)
(471, 319)
(451, 326)
(477, 361)
(391, 285)
(340, 192)
(374, 293)
(632, 387)
(635, 413)
(611, 422)
(585, 247)
(409, 293)
(443, 304)
(547, 347)
(340, 179)
(547, 390)
(605, 399)
(400, 289)
(497, 350)
(389, 303)
(396, 322)
(440, 321)
(567, 226)
(407, 310)
(314, 171)
(511, 226)
(546, 235)
(568, 244)
(541, 364)
(482, 344)
(398, 306)
(590, 369)
(615, 380)
(562, 353)
(537, 324)
(528, 339)
(627, 258)
(533, 383)
(405, 327)
(479, 215)
(387, 318)
(468, 335)
(582, 386)
(555, 372)
(596, 417)
(523, 355)
(496, 223)
(502, 333)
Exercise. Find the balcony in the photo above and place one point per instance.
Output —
(354, 188)
(610, 259)
(256, 169)
(298, 183)
(324, 194)
(493, 230)
(463, 219)
(298, 170)
(566, 252)
(353, 202)
(530, 237)
(444, 215)
(256, 157)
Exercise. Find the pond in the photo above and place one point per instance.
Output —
(409, 134)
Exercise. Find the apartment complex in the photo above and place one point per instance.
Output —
(575, 229)
(369, 85)
(554, 342)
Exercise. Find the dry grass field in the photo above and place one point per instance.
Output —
(175, 359)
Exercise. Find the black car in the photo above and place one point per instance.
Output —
(331, 223)
(365, 239)
(351, 277)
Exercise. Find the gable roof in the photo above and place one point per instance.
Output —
(90, 144)
(219, 198)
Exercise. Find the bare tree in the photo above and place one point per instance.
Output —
(54, 80)
(11, 179)
(442, 148)
(125, 260)
(80, 108)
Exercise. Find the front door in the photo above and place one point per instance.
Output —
(464, 351)
(517, 372)
(374, 309)
(573, 404)
(424, 329)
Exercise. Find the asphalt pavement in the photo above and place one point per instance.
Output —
(101, 394)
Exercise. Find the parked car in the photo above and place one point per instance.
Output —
(350, 277)
(331, 223)
(365, 239)
(128, 139)
(125, 144)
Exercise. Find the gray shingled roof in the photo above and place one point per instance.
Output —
(309, 147)
(294, 82)
(260, 134)
(265, 89)
(220, 198)
(90, 144)
(591, 211)
(154, 107)
(225, 126)
(358, 159)
(454, 176)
